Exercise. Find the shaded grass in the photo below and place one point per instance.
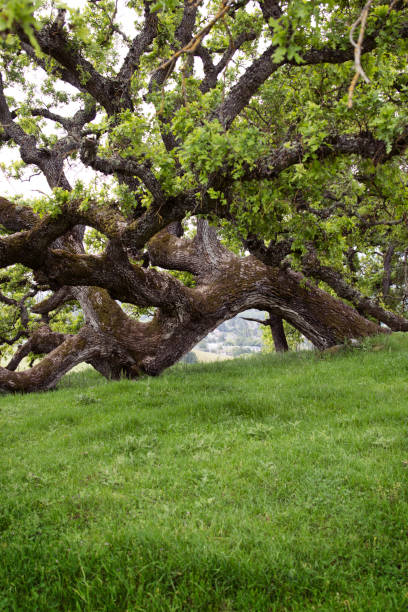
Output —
(268, 483)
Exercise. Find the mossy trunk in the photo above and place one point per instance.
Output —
(225, 285)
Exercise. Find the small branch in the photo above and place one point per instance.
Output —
(80, 118)
(192, 45)
(17, 336)
(358, 47)
(262, 322)
(357, 51)
(56, 300)
(124, 167)
(213, 71)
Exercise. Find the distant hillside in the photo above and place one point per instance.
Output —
(235, 337)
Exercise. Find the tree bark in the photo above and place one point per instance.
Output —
(275, 323)
(278, 333)
(226, 284)
(364, 305)
(386, 280)
(43, 340)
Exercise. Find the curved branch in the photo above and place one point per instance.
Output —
(50, 164)
(113, 271)
(43, 340)
(76, 70)
(212, 71)
(271, 255)
(30, 247)
(79, 119)
(57, 299)
(15, 217)
(363, 144)
(47, 373)
(270, 9)
(201, 256)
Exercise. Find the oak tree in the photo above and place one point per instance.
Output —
(233, 155)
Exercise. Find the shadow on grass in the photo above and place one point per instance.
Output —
(148, 572)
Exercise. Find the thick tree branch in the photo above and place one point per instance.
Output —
(364, 145)
(15, 217)
(249, 83)
(263, 67)
(278, 333)
(76, 70)
(140, 45)
(271, 9)
(124, 281)
(30, 247)
(364, 305)
(43, 340)
(202, 256)
(74, 350)
(56, 300)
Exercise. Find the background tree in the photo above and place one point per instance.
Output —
(238, 113)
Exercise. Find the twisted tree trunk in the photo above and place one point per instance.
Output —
(226, 284)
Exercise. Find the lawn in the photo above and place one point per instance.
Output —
(267, 483)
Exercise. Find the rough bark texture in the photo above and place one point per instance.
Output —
(386, 280)
(226, 284)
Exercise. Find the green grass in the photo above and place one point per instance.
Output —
(270, 483)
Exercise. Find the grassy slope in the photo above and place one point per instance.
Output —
(270, 483)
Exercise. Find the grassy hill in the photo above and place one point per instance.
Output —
(270, 483)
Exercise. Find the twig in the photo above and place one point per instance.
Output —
(357, 51)
(191, 46)
(357, 47)
(264, 322)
